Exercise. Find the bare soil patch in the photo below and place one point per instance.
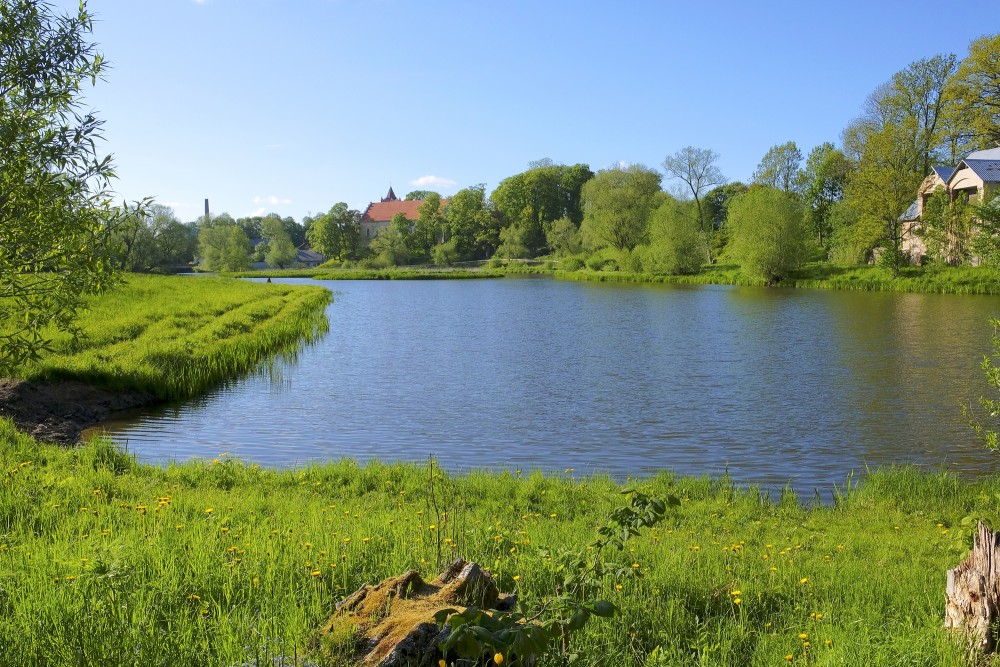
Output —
(59, 411)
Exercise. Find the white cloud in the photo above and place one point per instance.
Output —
(435, 181)
(258, 213)
(272, 200)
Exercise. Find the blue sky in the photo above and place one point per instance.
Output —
(290, 106)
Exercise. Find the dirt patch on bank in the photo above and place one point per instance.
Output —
(60, 411)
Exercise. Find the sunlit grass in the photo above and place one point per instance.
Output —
(821, 275)
(105, 561)
(179, 336)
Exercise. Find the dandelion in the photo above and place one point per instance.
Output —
(789, 657)
(209, 510)
(517, 577)
(736, 593)
(806, 644)
(255, 582)
(804, 580)
(828, 643)
(498, 658)
(552, 516)
(441, 662)
(635, 566)
(803, 636)
(315, 573)
(737, 600)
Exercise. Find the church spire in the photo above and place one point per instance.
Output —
(391, 196)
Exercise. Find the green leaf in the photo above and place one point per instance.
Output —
(604, 609)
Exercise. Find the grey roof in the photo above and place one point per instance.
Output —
(988, 170)
(912, 212)
(309, 256)
(943, 172)
(990, 154)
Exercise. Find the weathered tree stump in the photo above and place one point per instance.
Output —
(393, 622)
(974, 592)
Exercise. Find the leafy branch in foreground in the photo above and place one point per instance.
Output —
(990, 406)
(522, 636)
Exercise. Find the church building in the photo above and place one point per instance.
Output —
(379, 214)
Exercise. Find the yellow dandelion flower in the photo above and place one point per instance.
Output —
(209, 510)
(315, 573)
(803, 636)
(804, 580)
(498, 658)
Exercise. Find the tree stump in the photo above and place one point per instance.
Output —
(974, 592)
(393, 622)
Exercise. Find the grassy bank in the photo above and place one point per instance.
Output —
(103, 561)
(397, 273)
(819, 275)
(179, 336)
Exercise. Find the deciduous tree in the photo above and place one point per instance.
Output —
(55, 204)
(767, 234)
(781, 168)
(976, 90)
(617, 203)
(696, 168)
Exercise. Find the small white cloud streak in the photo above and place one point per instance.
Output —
(259, 213)
(435, 181)
(272, 200)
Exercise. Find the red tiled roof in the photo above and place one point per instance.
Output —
(385, 210)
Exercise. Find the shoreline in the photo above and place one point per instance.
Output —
(58, 412)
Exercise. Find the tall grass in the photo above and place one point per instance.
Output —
(179, 336)
(106, 561)
(395, 273)
(821, 275)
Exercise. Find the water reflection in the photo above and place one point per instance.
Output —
(775, 386)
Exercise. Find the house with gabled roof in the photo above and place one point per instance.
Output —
(977, 177)
(379, 214)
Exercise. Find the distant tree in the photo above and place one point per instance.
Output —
(676, 243)
(946, 227)
(914, 102)
(472, 224)
(696, 168)
(280, 249)
(336, 233)
(564, 238)
(444, 254)
(986, 242)
(223, 246)
(768, 237)
(881, 189)
(151, 241)
(392, 244)
(514, 241)
(536, 198)
(617, 204)
(418, 195)
(825, 176)
(430, 227)
(781, 168)
(976, 92)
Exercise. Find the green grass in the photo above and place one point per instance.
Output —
(179, 336)
(821, 275)
(105, 561)
(395, 273)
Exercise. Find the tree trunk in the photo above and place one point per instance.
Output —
(974, 592)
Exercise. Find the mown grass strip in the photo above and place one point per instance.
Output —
(179, 336)
(105, 561)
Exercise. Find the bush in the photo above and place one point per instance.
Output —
(572, 264)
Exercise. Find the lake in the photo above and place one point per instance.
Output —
(776, 386)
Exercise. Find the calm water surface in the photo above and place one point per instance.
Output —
(776, 386)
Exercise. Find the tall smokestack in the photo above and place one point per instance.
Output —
(207, 218)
